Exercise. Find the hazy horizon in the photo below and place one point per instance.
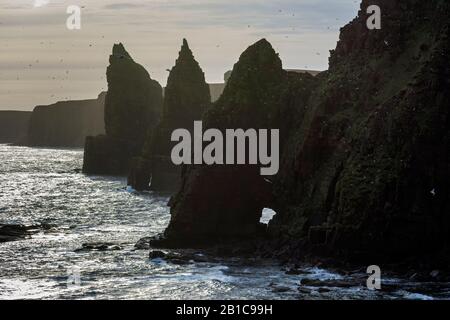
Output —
(42, 62)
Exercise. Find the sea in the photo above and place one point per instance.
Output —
(46, 187)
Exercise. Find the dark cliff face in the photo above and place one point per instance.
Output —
(187, 94)
(365, 146)
(133, 107)
(225, 202)
(14, 126)
(186, 98)
(133, 102)
(368, 172)
(66, 123)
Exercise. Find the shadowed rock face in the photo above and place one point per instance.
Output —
(14, 126)
(132, 109)
(187, 94)
(225, 202)
(66, 123)
(186, 98)
(133, 102)
(367, 175)
(364, 170)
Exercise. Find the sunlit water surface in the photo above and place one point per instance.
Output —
(43, 186)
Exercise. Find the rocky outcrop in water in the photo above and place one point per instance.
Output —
(364, 170)
(132, 109)
(225, 202)
(18, 232)
(13, 126)
(186, 98)
(66, 123)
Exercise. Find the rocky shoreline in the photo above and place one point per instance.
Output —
(364, 148)
(17, 232)
(415, 277)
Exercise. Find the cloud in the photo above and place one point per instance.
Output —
(37, 47)
(123, 6)
(40, 3)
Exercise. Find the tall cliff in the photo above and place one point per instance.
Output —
(66, 123)
(225, 202)
(368, 172)
(132, 109)
(14, 126)
(364, 163)
(186, 98)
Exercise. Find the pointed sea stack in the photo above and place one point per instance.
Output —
(132, 109)
(186, 98)
(364, 162)
(224, 202)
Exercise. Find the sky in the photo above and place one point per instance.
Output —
(42, 62)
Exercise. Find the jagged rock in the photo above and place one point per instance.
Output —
(187, 94)
(156, 254)
(66, 123)
(132, 109)
(139, 174)
(367, 172)
(143, 244)
(99, 246)
(364, 170)
(107, 156)
(14, 232)
(280, 289)
(225, 202)
(186, 98)
(346, 283)
(14, 126)
(133, 102)
(295, 271)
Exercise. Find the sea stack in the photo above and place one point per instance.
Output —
(223, 202)
(133, 106)
(186, 98)
(364, 163)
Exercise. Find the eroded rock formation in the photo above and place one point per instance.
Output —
(132, 109)
(225, 202)
(186, 98)
(365, 147)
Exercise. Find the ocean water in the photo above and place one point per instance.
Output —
(43, 186)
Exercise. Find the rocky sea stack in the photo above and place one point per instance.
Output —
(364, 146)
(186, 98)
(225, 202)
(132, 109)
